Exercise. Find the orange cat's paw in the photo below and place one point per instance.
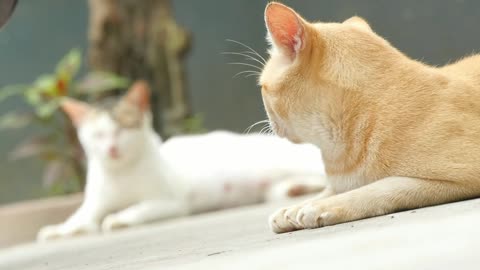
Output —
(312, 216)
(284, 220)
(320, 213)
(309, 215)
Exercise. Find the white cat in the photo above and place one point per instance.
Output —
(134, 178)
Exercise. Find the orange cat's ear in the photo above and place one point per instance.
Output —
(75, 109)
(286, 28)
(139, 95)
(358, 22)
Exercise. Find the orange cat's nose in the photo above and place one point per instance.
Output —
(113, 152)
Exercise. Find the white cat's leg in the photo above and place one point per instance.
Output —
(382, 197)
(295, 186)
(86, 220)
(144, 212)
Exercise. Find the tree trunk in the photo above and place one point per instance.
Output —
(139, 39)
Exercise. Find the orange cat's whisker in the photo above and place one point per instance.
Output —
(255, 54)
(249, 72)
(247, 57)
(253, 74)
(247, 130)
(248, 47)
(267, 130)
(246, 64)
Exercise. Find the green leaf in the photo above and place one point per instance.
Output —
(11, 90)
(98, 82)
(33, 97)
(68, 67)
(194, 125)
(45, 84)
(15, 120)
(47, 109)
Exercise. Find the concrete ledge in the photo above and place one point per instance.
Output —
(441, 237)
(20, 222)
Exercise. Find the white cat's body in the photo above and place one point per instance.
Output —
(143, 180)
(223, 169)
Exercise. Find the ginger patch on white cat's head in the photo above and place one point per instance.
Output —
(114, 130)
(75, 109)
(130, 111)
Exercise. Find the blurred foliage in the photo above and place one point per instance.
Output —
(56, 142)
(194, 124)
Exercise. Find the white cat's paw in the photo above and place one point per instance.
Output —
(113, 223)
(54, 232)
(284, 220)
(49, 233)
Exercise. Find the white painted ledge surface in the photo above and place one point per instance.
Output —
(441, 237)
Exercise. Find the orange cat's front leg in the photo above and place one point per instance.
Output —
(385, 196)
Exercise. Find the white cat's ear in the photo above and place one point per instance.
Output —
(75, 109)
(358, 22)
(139, 95)
(286, 29)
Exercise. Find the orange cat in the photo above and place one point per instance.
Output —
(395, 133)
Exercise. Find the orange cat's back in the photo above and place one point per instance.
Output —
(467, 68)
(441, 135)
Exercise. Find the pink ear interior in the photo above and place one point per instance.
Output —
(139, 95)
(285, 27)
(75, 109)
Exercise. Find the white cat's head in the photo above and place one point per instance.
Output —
(113, 134)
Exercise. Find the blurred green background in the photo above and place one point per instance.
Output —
(41, 32)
